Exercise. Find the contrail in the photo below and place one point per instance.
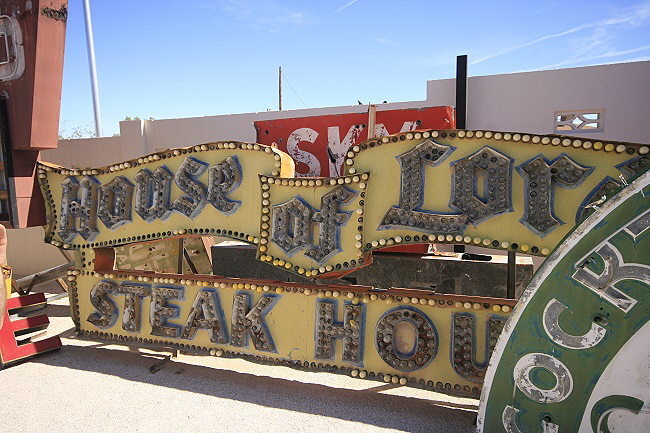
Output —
(344, 6)
(640, 12)
(606, 55)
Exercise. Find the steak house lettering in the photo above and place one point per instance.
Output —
(149, 194)
(249, 325)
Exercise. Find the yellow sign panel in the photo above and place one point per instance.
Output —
(402, 336)
(193, 190)
(519, 192)
(516, 192)
(313, 226)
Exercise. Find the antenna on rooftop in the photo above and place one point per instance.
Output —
(280, 90)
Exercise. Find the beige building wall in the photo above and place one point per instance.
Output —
(526, 102)
(171, 133)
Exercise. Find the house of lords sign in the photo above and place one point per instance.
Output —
(519, 192)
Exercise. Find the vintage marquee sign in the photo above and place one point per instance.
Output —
(511, 191)
(402, 336)
(519, 192)
(508, 191)
(575, 355)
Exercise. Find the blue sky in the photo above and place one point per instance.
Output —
(167, 59)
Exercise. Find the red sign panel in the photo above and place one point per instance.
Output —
(13, 349)
(318, 144)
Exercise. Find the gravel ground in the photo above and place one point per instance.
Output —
(91, 386)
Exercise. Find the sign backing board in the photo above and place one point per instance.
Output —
(31, 74)
(318, 144)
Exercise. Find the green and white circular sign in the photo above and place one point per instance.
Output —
(575, 354)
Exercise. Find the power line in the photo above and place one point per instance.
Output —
(284, 75)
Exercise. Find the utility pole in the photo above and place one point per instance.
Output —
(93, 69)
(280, 90)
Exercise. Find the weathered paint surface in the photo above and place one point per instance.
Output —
(415, 338)
(574, 355)
(32, 75)
(318, 144)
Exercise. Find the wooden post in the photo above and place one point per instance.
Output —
(280, 90)
(372, 120)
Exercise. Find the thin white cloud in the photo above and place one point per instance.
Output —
(387, 41)
(204, 5)
(345, 6)
(441, 60)
(264, 15)
(528, 44)
(606, 55)
(626, 52)
(595, 42)
(634, 16)
(633, 59)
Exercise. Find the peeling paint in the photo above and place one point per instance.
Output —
(56, 14)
